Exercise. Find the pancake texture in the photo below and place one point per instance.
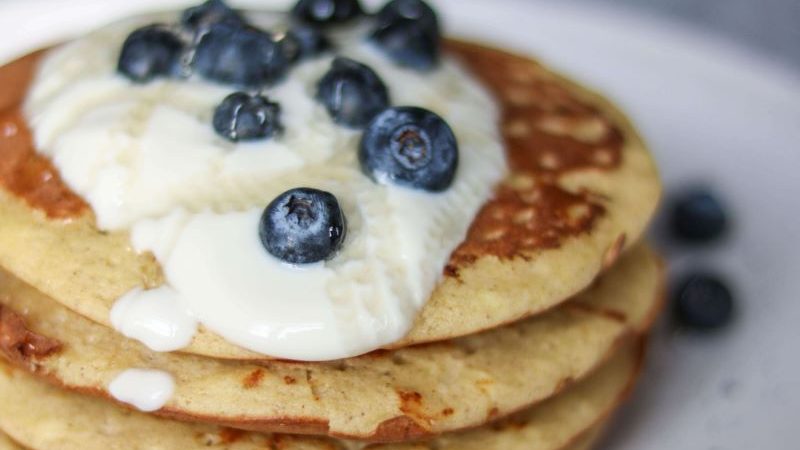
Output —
(8, 444)
(588, 440)
(582, 188)
(387, 396)
(73, 422)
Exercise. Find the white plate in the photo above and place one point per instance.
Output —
(712, 113)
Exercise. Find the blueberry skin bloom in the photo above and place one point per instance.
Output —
(323, 12)
(409, 146)
(704, 302)
(303, 226)
(150, 52)
(208, 13)
(408, 32)
(352, 93)
(698, 217)
(245, 117)
(239, 55)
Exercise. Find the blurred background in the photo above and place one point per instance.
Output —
(769, 26)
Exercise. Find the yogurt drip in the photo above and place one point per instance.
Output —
(146, 390)
(146, 159)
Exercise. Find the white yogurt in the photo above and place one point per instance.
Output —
(146, 158)
(155, 318)
(146, 390)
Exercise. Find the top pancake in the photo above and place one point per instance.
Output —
(582, 188)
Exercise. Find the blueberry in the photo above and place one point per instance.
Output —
(698, 217)
(239, 55)
(352, 93)
(243, 117)
(321, 12)
(410, 147)
(703, 302)
(150, 52)
(408, 31)
(303, 226)
(208, 13)
(303, 41)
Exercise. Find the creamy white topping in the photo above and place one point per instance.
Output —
(146, 158)
(155, 318)
(146, 390)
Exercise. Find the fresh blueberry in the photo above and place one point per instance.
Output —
(321, 12)
(244, 117)
(239, 55)
(150, 52)
(411, 147)
(304, 41)
(704, 302)
(208, 13)
(352, 93)
(698, 217)
(408, 31)
(303, 226)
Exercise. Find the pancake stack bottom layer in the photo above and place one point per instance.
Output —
(546, 352)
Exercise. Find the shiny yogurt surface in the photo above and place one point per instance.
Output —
(147, 160)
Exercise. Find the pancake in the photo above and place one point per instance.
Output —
(386, 396)
(585, 442)
(588, 440)
(44, 417)
(7, 444)
(582, 189)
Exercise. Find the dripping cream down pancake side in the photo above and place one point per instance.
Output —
(414, 392)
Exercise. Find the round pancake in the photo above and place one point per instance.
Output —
(44, 417)
(394, 395)
(582, 189)
(585, 442)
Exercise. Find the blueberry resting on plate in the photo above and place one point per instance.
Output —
(352, 93)
(239, 55)
(698, 217)
(150, 52)
(303, 226)
(245, 117)
(408, 31)
(208, 13)
(703, 302)
(304, 41)
(410, 147)
(322, 12)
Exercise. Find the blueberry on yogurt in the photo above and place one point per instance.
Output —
(303, 226)
(352, 93)
(304, 41)
(408, 32)
(323, 12)
(239, 55)
(208, 13)
(243, 117)
(150, 52)
(410, 147)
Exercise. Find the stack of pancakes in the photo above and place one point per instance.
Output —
(530, 341)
